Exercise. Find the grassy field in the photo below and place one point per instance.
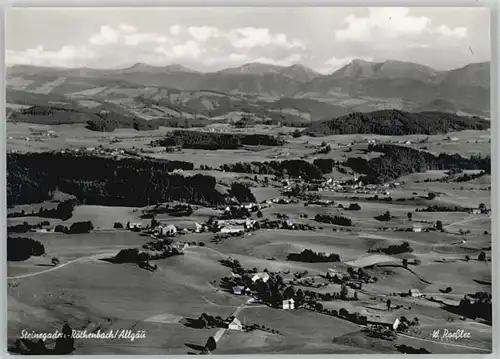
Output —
(180, 288)
(89, 292)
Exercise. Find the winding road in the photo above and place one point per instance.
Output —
(463, 221)
(94, 256)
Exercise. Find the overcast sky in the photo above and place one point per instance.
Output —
(209, 39)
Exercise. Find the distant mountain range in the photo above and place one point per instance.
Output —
(296, 94)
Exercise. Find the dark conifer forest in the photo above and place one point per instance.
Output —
(101, 181)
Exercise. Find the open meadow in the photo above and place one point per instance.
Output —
(175, 187)
(91, 293)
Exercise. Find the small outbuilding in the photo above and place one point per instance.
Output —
(238, 290)
(232, 229)
(262, 276)
(168, 230)
(288, 304)
(396, 324)
(235, 324)
(414, 293)
(135, 226)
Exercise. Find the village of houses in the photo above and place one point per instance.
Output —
(254, 285)
(343, 285)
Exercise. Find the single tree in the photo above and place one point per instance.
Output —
(289, 293)
(410, 215)
(343, 313)
(405, 262)
(388, 303)
(439, 225)
(481, 257)
(343, 292)
(211, 345)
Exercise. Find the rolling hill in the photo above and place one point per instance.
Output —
(267, 93)
(295, 72)
(396, 123)
(415, 84)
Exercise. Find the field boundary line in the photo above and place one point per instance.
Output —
(94, 256)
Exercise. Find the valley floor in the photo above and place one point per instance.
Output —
(91, 293)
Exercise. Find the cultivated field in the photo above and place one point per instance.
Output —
(89, 292)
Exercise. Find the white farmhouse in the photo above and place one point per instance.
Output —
(235, 324)
(232, 229)
(262, 276)
(414, 293)
(135, 225)
(396, 323)
(288, 304)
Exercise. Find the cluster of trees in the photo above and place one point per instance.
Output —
(325, 149)
(284, 224)
(342, 313)
(477, 305)
(385, 199)
(326, 165)
(103, 121)
(396, 123)
(394, 249)
(235, 212)
(242, 193)
(149, 251)
(398, 161)
(103, 181)
(338, 220)
(443, 208)
(26, 227)
(384, 217)
(311, 296)
(292, 168)
(109, 122)
(310, 256)
(273, 291)
(216, 140)
(252, 327)
(20, 248)
(380, 332)
(182, 122)
(63, 211)
(468, 177)
(354, 207)
(178, 210)
(358, 275)
(81, 227)
(451, 178)
(206, 321)
(75, 228)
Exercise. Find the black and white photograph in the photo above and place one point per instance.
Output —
(248, 180)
